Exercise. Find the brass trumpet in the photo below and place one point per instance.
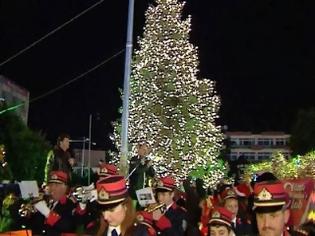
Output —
(156, 206)
(26, 209)
(85, 193)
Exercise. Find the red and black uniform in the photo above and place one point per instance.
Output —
(144, 224)
(87, 219)
(241, 227)
(60, 219)
(173, 222)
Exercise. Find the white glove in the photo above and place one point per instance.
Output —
(93, 195)
(42, 207)
(82, 205)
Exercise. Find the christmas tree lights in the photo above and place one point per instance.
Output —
(293, 168)
(170, 107)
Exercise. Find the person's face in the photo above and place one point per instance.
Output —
(64, 144)
(232, 205)
(57, 190)
(142, 150)
(165, 197)
(273, 223)
(219, 231)
(116, 215)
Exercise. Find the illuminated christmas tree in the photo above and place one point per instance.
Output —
(170, 107)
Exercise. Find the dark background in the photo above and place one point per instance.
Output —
(260, 53)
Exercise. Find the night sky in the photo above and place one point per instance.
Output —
(260, 53)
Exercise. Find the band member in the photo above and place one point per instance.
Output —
(115, 205)
(220, 223)
(230, 201)
(144, 224)
(173, 221)
(54, 217)
(107, 170)
(140, 170)
(87, 212)
(271, 206)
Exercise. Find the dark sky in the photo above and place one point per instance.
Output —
(260, 53)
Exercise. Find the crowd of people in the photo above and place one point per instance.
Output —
(261, 207)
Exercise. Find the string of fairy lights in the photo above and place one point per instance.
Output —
(293, 168)
(170, 107)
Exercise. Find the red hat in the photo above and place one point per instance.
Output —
(111, 189)
(228, 193)
(242, 190)
(221, 215)
(58, 176)
(270, 194)
(107, 170)
(166, 183)
(144, 217)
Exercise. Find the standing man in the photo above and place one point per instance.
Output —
(271, 206)
(60, 158)
(140, 170)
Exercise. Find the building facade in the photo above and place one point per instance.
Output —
(257, 147)
(12, 94)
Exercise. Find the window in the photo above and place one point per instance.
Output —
(247, 141)
(265, 142)
(248, 155)
(264, 155)
(234, 142)
(281, 141)
(233, 156)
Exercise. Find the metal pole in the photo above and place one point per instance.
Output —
(82, 158)
(126, 93)
(89, 161)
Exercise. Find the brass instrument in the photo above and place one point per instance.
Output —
(26, 209)
(156, 206)
(85, 193)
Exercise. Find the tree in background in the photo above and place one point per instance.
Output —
(303, 132)
(25, 149)
(170, 107)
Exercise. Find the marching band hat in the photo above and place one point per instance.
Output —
(270, 194)
(107, 170)
(144, 217)
(111, 189)
(228, 193)
(166, 184)
(242, 190)
(221, 215)
(58, 176)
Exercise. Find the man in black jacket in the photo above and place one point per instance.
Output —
(59, 158)
(140, 170)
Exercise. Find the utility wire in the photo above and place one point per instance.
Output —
(64, 84)
(50, 33)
